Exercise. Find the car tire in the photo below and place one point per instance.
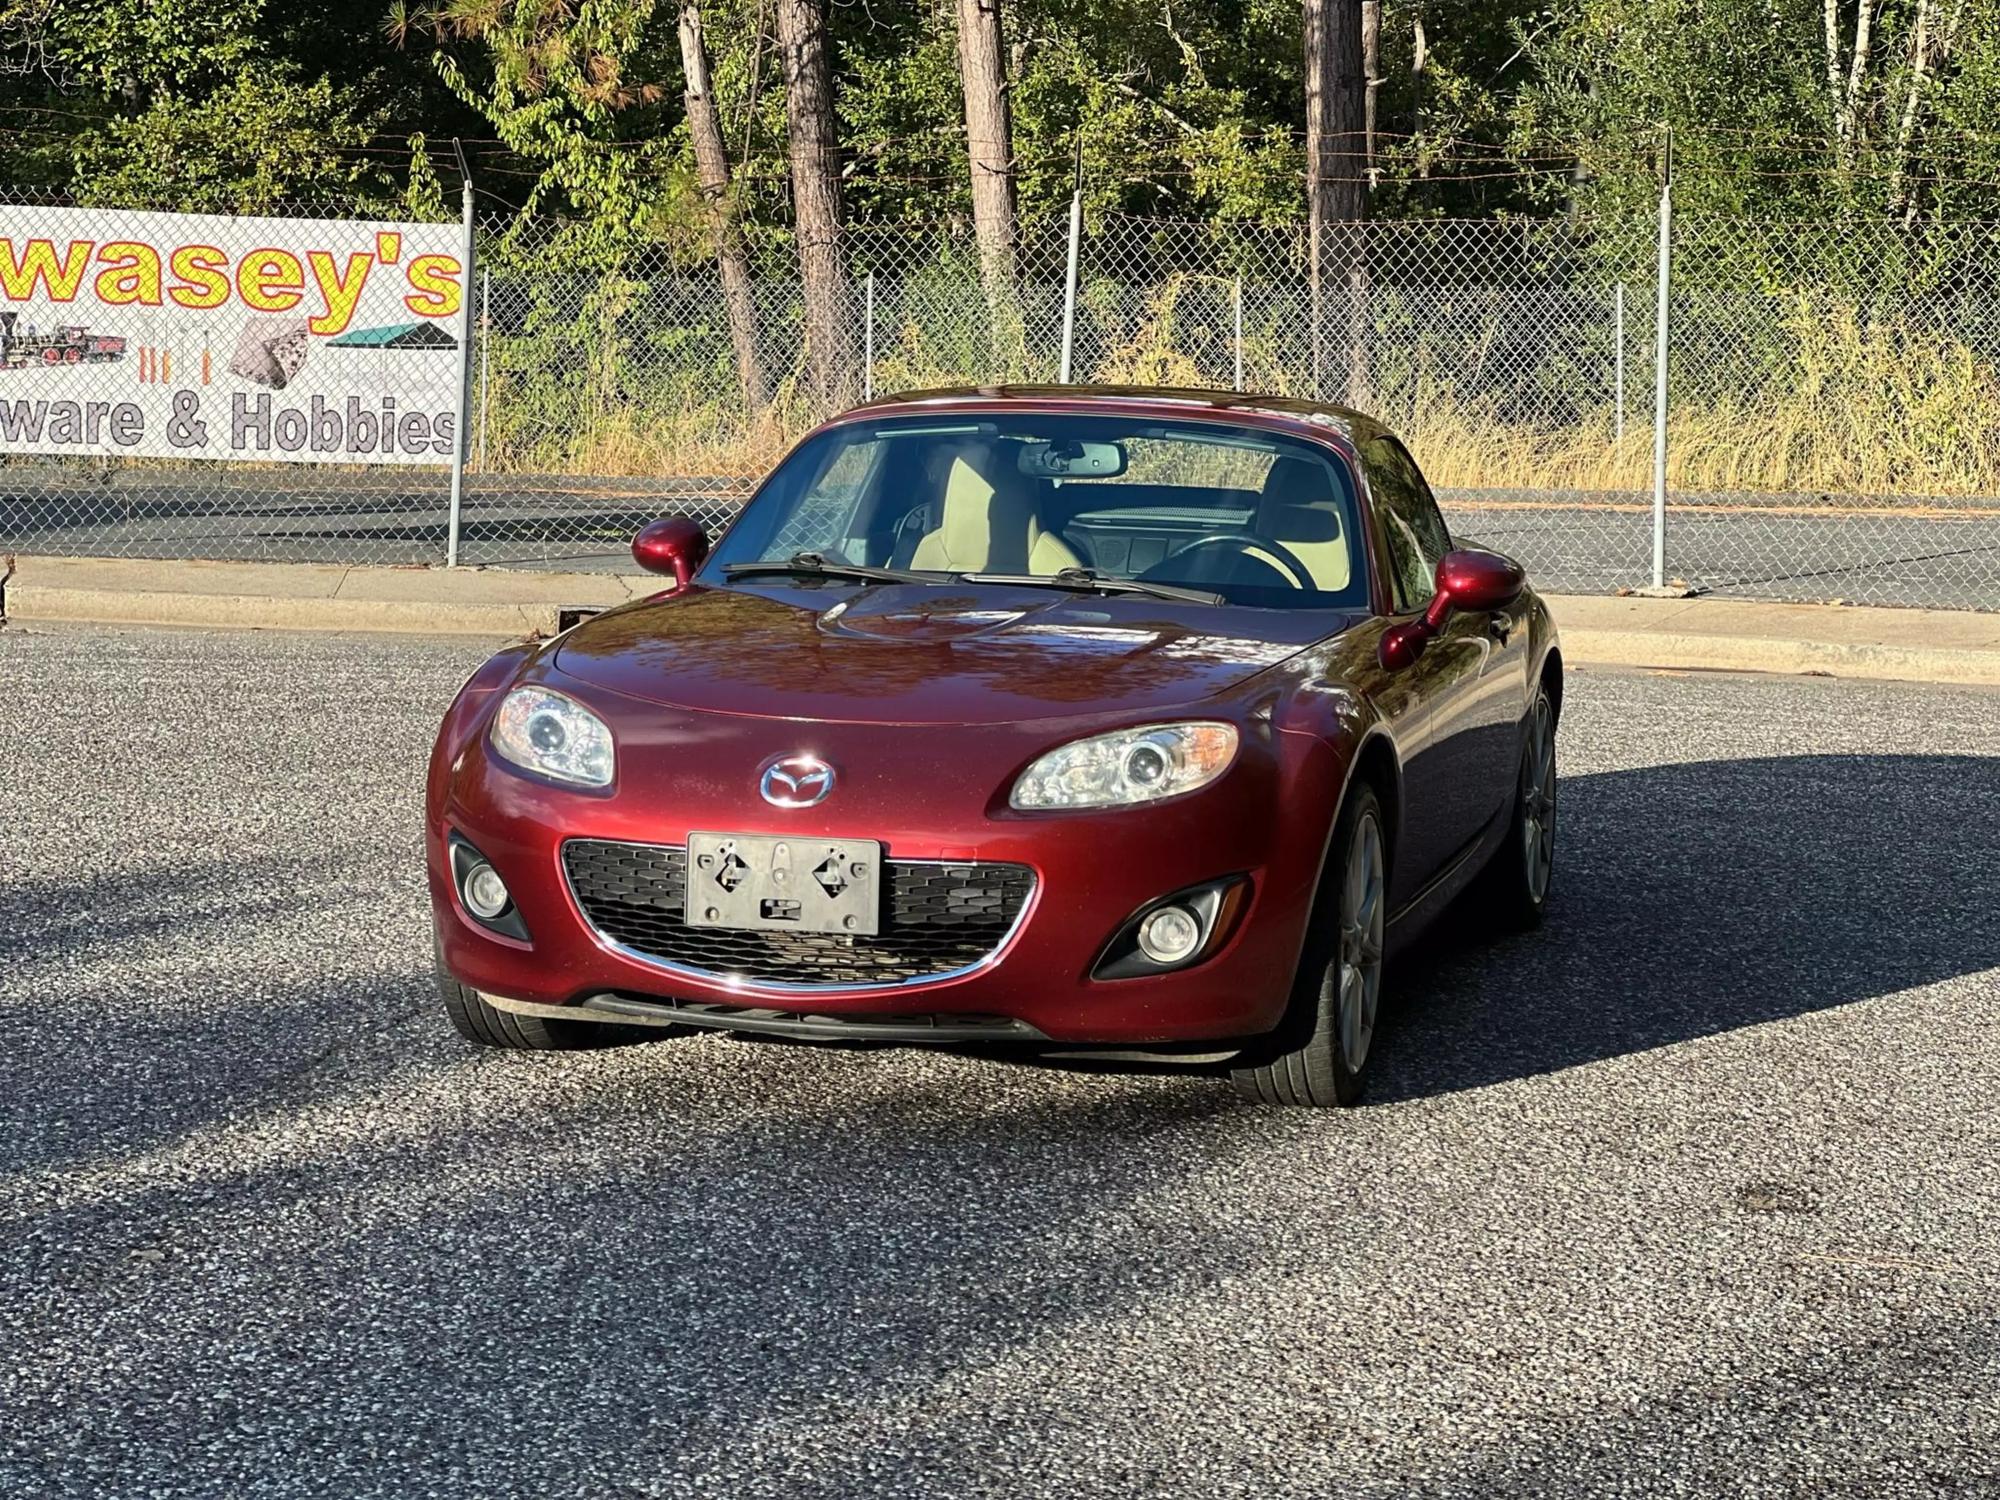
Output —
(484, 1024)
(1319, 1056)
(1513, 890)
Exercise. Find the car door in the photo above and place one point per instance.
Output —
(1456, 780)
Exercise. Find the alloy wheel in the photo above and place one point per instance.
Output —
(1357, 966)
(1538, 799)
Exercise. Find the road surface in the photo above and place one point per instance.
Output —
(1693, 1193)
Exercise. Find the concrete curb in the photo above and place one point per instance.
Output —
(1726, 653)
(303, 596)
(30, 602)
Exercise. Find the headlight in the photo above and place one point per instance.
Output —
(1131, 765)
(553, 736)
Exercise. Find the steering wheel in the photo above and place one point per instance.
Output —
(1248, 542)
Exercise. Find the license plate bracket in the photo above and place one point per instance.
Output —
(763, 883)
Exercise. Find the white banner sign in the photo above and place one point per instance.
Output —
(202, 336)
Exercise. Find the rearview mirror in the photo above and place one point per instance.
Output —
(1072, 460)
(675, 547)
(1468, 579)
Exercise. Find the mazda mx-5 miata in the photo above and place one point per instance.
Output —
(1061, 716)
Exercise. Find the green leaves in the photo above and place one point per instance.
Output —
(1188, 110)
(1767, 121)
(251, 143)
(132, 51)
(571, 89)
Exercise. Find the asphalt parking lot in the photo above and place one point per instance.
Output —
(1695, 1192)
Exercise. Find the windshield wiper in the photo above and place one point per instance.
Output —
(812, 565)
(1090, 581)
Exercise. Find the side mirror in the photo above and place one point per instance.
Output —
(1472, 580)
(675, 547)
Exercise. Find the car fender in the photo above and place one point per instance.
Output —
(1544, 651)
(1340, 693)
(463, 719)
(1344, 731)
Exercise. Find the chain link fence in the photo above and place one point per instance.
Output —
(1833, 414)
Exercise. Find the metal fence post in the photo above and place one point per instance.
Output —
(868, 342)
(1069, 276)
(485, 358)
(1618, 333)
(1660, 331)
(1239, 333)
(458, 448)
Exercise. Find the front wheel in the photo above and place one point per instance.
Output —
(1514, 887)
(1319, 1056)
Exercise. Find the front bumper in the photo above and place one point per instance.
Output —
(805, 1026)
(1092, 872)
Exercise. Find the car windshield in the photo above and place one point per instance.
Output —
(1233, 512)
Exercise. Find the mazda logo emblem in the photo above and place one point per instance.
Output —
(796, 781)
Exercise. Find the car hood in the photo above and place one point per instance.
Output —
(928, 654)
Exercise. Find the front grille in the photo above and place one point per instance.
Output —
(936, 918)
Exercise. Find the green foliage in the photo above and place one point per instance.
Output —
(423, 197)
(1757, 124)
(571, 108)
(243, 148)
(1843, 360)
(1163, 129)
(134, 50)
(186, 104)
(559, 87)
(900, 116)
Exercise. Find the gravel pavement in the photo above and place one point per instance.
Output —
(1695, 1192)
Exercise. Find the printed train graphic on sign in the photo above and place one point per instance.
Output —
(69, 344)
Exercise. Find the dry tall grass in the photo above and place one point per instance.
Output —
(1858, 409)
(1824, 401)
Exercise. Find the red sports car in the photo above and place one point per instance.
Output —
(1060, 716)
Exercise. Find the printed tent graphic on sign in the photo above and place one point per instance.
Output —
(396, 336)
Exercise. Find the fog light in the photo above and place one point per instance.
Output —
(1170, 934)
(484, 891)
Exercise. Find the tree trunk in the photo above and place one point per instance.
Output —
(1336, 153)
(817, 215)
(1579, 172)
(1906, 130)
(712, 172)
(1835, 103)
(988, 145)
(1371, 67)
(1846, 95)
(1937, 47)
(1420, 56)
(1319, 177)
(1857, 77)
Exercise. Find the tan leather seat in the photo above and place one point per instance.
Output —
(987, 521)
(1300, 509)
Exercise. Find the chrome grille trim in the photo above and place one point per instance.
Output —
(1021, 875)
